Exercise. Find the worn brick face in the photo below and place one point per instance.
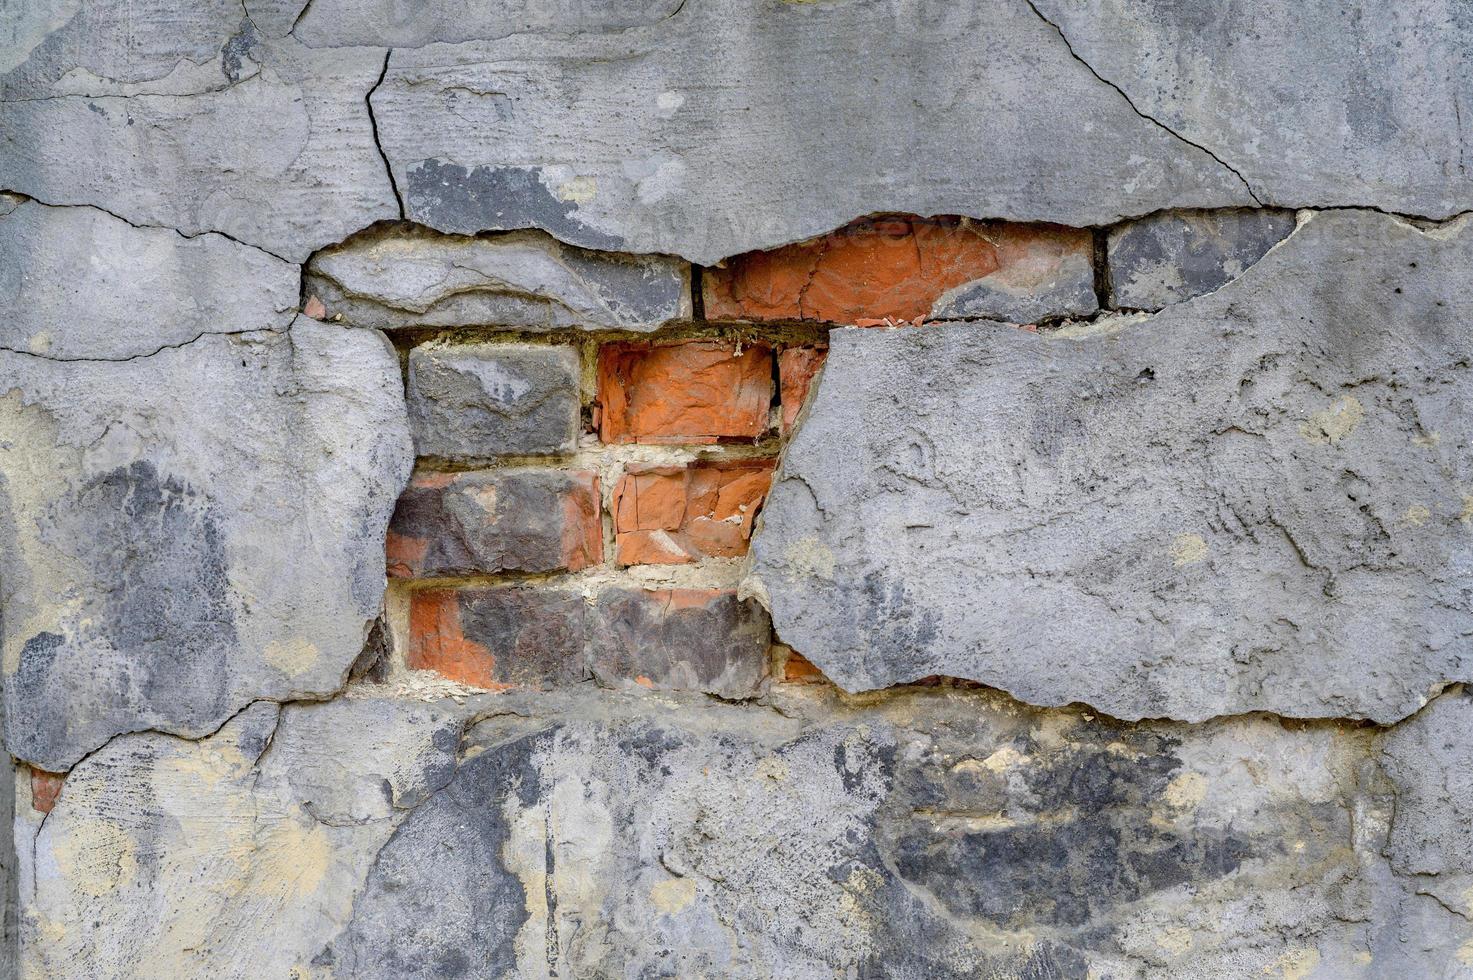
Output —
(498, 638)
(798, 669)
(45, 788)
(796, 369)
(674, 515)
(496, 521)
(679, 639)
(479, 401)
(894, 268)
(698, 391)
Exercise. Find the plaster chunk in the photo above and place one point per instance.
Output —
(280, 154)
(1315, 103)
(191, 531)
(164, 857)
(80, 283)
(1201, 513)
(666, 137)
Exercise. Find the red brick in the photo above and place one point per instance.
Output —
(499, 638)
(875, 270)
(45, 788)
(697, 391)
(796, 369)
(674, 515)
(496, 521)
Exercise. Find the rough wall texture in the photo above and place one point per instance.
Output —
(736, 488)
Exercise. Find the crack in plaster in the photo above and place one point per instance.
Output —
(1134, 108)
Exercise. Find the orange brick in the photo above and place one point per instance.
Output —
(798, 669)
(796, 369)
(875, 270)
(697, 391)
(45, 788)
(674, 515)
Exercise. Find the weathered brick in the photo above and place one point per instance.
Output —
(1175, 255)
(45, 788)
(697, 391)
(496, 521)
(796, 369)
(394, 279)
(478, 401)
(798, 669)
(679, 639)
(674, 515)
(1044, 272)
(905, 268)
(499, 638)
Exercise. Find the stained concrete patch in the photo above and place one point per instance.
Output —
(471, 199)
(657, 819)
(392, 842)
(1197, 514)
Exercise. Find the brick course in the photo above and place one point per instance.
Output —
(897, 268)
(45, 788)
(508, 637)
(480, 401)
(796, 369)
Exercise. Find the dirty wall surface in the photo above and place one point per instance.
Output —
(736, 488)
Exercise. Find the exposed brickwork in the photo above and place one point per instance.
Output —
(894, 268)
(680, 639)
(472, 402)
(674, 515)
(45, 788)
(496, 521)
(698, 391)
(796, 369)
(498, 638)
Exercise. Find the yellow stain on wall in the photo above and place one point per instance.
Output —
(1296, 964)
(579, 190)
(811, 557)
(1334, 424)
(673, 896)
(292, 657)
(1188, 549)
